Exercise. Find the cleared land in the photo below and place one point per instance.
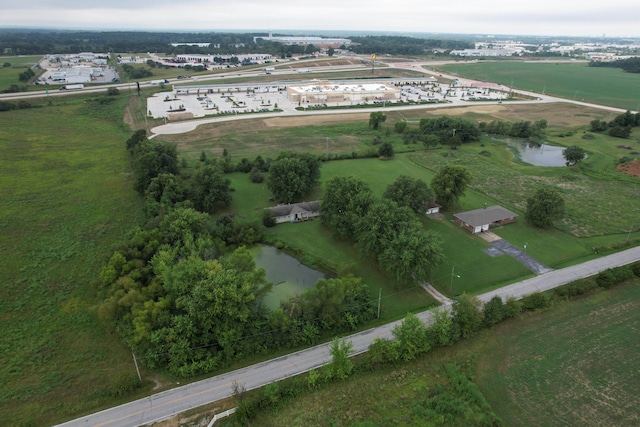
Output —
(606, 86)
(575, 364)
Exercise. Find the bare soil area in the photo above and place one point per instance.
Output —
(631, 168)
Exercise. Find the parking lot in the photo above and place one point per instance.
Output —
(201, 100)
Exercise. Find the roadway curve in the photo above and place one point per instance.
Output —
(172, 402)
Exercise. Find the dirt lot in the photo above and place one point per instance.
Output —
(557, 114)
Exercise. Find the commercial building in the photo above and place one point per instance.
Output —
(305, 40)
(328, 92)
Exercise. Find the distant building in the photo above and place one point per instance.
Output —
(191, 44)
(325, 92)
(305, 40)
(201, 59)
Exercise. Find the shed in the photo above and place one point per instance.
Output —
(480, 220)
(295, 212)
(432, 208)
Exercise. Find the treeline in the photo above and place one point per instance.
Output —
(183, 291)
(620, 127)
(399, 45)
(456, 401)
(630, 65)
(39, 42)
(442, 130)
(521, 129)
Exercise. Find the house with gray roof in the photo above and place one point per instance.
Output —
(295, 212)
(480, 220)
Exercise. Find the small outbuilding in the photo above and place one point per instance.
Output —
(432, 208)
(480, 220)
(295, 212)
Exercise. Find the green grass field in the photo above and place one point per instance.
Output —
(18, 64)
(606, 86)
(575, 364)
(67, 198)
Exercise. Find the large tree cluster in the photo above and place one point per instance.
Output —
(384, 229)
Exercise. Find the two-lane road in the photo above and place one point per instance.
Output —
(171, 402)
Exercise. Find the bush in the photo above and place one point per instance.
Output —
(536, 300)
(512, 308)
(606, 279)
(256, 176)
(268, 220)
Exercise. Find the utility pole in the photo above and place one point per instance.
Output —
(137, 369)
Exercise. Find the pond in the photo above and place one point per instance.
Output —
(288, 275)
(536, 154)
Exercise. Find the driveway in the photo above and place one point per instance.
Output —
(502, 247)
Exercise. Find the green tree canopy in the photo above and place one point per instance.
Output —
(573, 155)
(411, 192)
(376, 119)
(450, 183)
(544, 207)
(346, 200)
(292, 176)
(210, 188)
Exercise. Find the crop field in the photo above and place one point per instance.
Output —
(600, 85)
(576, 364)
(67, 198)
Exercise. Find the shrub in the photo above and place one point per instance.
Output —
(536, 300)
(256, 176)
(606, 279)
(512, 308)
(268, 220)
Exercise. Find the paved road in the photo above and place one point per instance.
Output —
(171, 402)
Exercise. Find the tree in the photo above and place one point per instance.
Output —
(573, 155)
(346, 200)
(400, 126)
(411, 337)
(209, 188)
(544, 207)
(467, 314)
(331, 51)
(292, 176)
(341, 365)
(386, 150)
(412, 256)
(383, 222)
(450, 183)
(411, 192)
(376, 119)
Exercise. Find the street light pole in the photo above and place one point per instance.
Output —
(452, 275)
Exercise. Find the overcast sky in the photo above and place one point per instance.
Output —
(537, 17)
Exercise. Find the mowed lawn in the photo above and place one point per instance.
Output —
(17, 64)
(600, 85)
(67, 199)
(576, 364)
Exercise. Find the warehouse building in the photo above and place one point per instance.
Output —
(327, 92)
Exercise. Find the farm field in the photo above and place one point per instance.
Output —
(67, 198)
(538, 368)
(533, 370)
(599, 85)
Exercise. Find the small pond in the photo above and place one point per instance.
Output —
(288, 275)
(536, 154)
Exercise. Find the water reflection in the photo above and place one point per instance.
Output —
(287, 274)
(536, 153)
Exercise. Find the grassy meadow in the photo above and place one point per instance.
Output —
(67, 198)
(18, 64)
(571, 80)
